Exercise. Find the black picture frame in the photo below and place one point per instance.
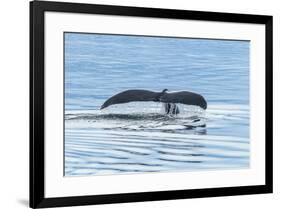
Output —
(37, 168)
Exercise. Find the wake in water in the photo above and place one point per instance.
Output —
(132, 117)
(135, 139)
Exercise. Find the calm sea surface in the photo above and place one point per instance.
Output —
(138, 136)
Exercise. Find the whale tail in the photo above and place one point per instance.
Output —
(169, 99)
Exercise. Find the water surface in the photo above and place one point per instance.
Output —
(138, 136)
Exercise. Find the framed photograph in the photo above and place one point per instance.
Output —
(133, 104)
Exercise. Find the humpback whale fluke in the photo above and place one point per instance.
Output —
(170, 99)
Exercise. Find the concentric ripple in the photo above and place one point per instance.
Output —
(105, 142)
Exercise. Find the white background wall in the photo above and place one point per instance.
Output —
(14, 93)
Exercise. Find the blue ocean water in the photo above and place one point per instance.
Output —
(138, 136)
